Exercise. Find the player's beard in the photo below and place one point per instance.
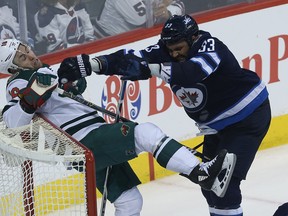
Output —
(181, 58)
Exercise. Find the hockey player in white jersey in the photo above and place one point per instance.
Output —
(122, 16)
(31, 90)
(62, 24)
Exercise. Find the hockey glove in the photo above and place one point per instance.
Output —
(74, 68)
(137, 69)
(77, 87)
(38, 91)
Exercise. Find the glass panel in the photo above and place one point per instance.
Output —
(57, 24)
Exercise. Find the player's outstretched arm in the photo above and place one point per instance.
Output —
(74, 68)
(129, 66)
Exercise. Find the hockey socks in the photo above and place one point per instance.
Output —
(226, 212)
(172, 155)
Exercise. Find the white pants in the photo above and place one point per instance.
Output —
(129, 203)
(150, 138)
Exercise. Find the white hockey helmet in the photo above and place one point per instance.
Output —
(8, 50)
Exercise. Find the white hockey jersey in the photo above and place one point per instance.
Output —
(73, 117)
(61, 27)
(122, 16)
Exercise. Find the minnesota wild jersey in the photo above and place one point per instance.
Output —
(69, 115)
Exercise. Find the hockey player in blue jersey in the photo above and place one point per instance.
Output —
(30, 91)
(229, 104)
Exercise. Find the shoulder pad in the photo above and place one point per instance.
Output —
(21, 75)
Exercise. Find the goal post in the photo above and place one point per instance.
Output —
(45, 171)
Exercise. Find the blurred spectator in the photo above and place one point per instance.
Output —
(32, 6)
(94, 7)
(122, 16)
(62, 24)
(9, 27)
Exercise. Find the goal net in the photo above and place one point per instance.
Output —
(44, 171)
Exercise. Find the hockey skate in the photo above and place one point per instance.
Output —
(207, 174)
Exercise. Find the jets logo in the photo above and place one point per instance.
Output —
(193, 98)
(125, 129)
(187, 20)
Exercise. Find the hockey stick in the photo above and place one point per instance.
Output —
(90, 104)
(199, 154)
(109, 113)
(117, 118)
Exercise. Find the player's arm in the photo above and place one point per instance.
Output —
(74, 68)
(13, 114)
(25, 97)
(117, 63)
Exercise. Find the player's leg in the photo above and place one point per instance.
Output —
(230, 204)
(113, 144)
(129, 203)
(174, 156)
(121, 189)
(242, 139)
(121, 178)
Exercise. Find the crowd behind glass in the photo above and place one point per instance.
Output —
(51, 25)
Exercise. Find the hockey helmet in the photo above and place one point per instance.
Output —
(179, 28)
(8, 50)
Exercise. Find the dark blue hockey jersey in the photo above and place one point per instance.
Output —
(211, 85)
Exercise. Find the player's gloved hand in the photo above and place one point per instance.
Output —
(136, 69)
(74, 68)
(77, 87)
(38, 90)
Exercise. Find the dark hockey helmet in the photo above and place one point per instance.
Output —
(179, 28)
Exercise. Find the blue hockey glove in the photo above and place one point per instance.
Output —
(74, 68)
(136, 69)
(38, 90)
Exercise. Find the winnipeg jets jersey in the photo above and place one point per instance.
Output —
(122, 16)
(62, 27)
(75, 118)
(212, 87)
(9, 27)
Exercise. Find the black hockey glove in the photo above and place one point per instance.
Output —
(77, 87)
(136, 69)
(74, 68)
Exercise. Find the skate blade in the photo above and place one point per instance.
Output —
(219, 187)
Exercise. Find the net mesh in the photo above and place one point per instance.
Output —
(42, 171)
